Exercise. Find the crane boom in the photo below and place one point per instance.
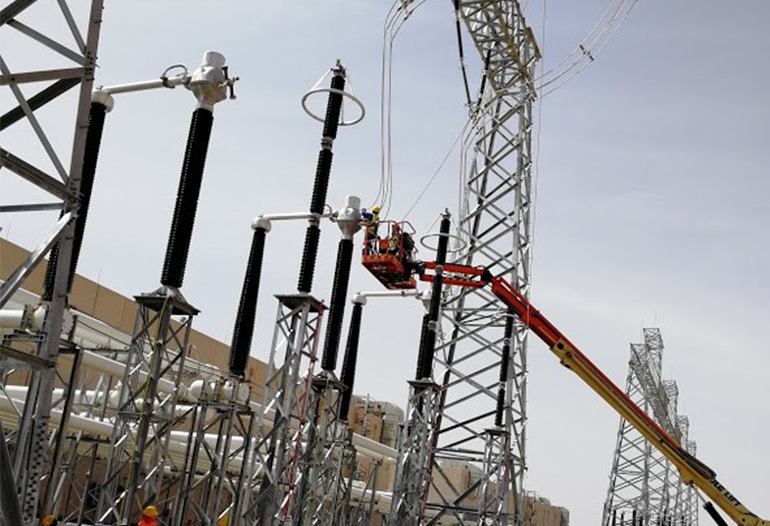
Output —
(692, 470)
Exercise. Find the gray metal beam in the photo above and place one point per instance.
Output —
(38, 100)
(34, 175)
(39, 76)
(47, 42)
(9, 503)
(16, 359)
(13, 283)
(13, 10)
(35, 207)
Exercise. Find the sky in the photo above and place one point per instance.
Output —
(651, 196)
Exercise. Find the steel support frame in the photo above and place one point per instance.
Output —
(138, 459)
(32, 434)
(280, 432)
(414, 466)
(362, 513)
(90, 400)
(495, 231)
(215, 474)
(328, 467)
(80, 448)
(493, 500)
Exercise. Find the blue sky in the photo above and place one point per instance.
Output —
(651, 197)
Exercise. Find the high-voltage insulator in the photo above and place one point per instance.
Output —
(321, 184)
(247, 308)
(504, 359)
(349, 221)
(101, 104)
(351, 356)
(430, 324)
(208, 83)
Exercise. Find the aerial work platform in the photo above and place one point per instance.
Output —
(391, 259)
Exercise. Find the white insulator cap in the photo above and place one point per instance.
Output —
(262, 222)
(105, 99)
(208, 81)
(358, 298)
(349, 218)
(213, 59)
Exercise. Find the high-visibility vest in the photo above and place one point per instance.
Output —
(373, 224)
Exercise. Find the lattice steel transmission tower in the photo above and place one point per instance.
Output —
(32, 459)
(645, 489)
(481, 364)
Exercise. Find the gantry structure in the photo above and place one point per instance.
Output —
(480, 361)
(644, 488)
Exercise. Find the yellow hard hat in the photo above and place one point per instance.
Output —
(150, 511)
(376, 209)
(48, 520)
(223, 520)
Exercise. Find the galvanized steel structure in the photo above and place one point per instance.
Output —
(494, 230)
(645, 489)
(34, 461)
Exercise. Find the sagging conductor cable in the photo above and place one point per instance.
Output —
(101, 104)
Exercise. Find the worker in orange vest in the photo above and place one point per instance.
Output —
(149, 517)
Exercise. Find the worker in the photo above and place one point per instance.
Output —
(149, 517)
(393, 241)
(50, 520)
(372, 221)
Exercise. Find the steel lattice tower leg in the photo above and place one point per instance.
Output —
(145, 417)
(32, 435)
(495, 227)
(215, 474)
(691, 507)
(493, 499)
(278, 446)
(415, 456)
(324, 495)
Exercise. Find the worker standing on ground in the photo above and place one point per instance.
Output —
(149, 517)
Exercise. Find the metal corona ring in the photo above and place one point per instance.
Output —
(340, 92)
(460, 242)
